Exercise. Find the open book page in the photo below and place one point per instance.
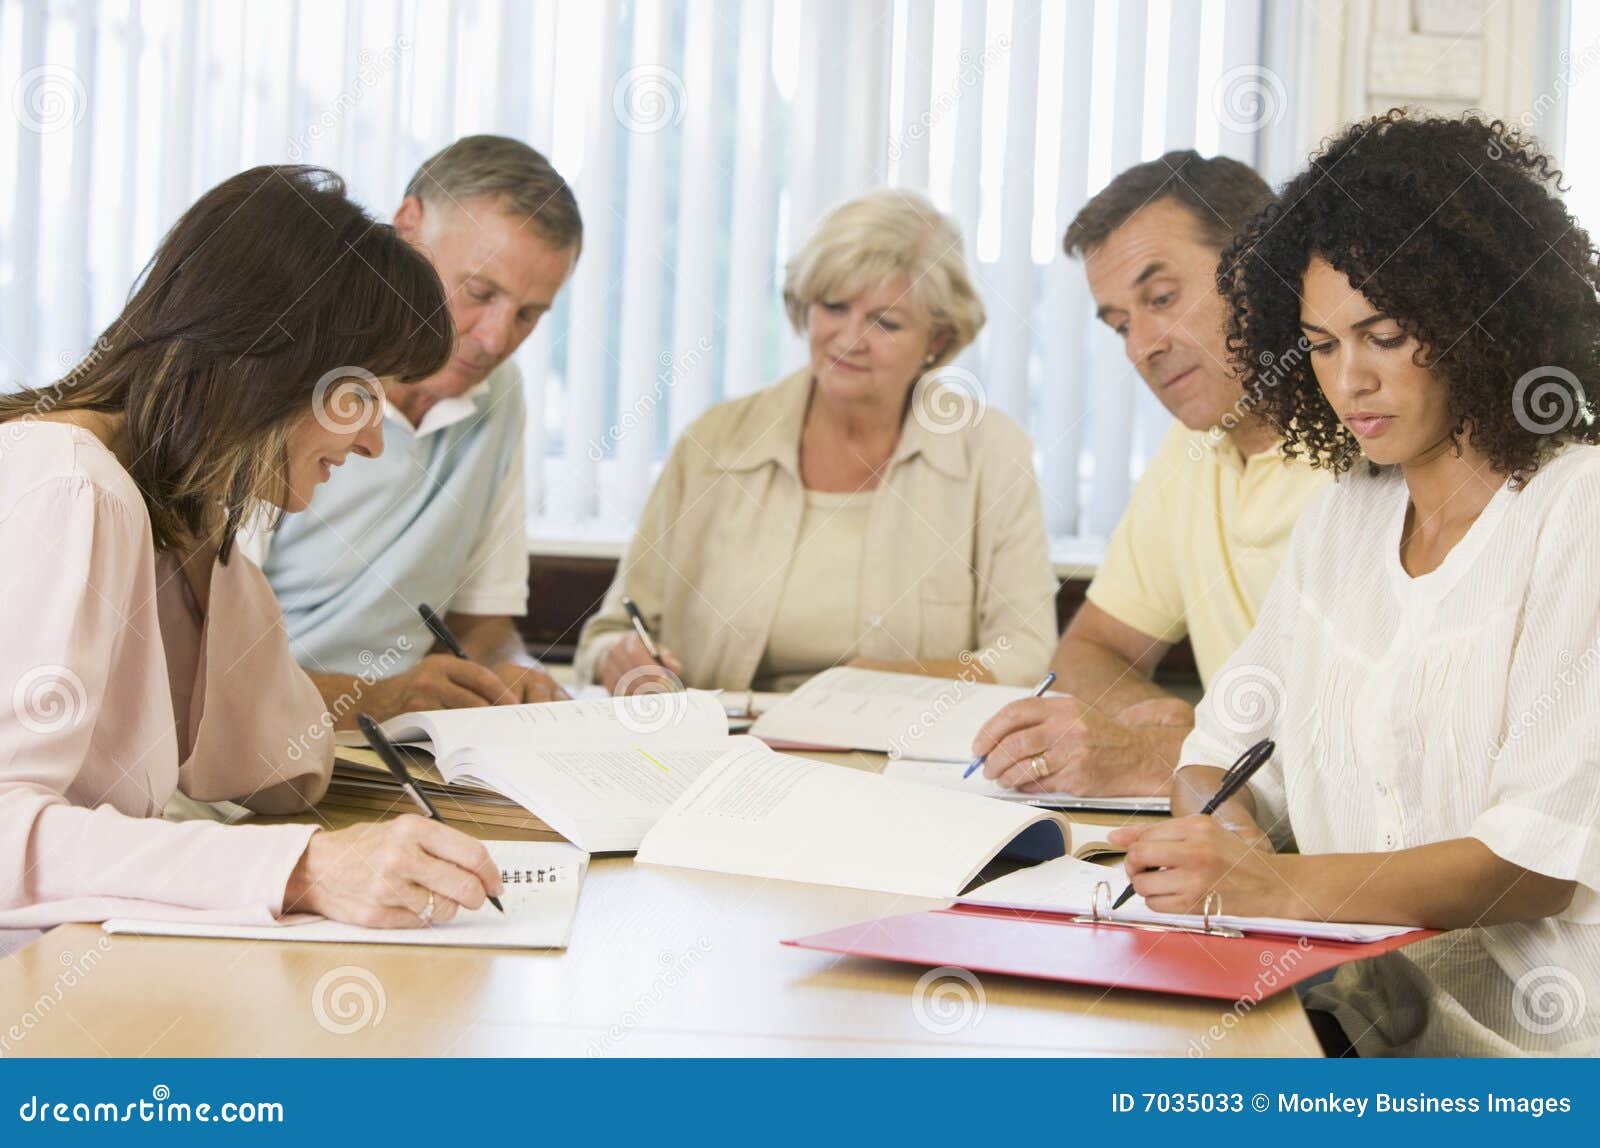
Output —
(763, 814)
(682, 717)
(1067, 885)
(904, 714)
(542, 880)
(947, 775)
(603, 800)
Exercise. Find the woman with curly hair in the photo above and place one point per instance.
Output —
(1420, 312)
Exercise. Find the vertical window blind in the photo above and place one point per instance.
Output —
(705, 139)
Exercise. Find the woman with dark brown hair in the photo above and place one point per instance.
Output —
(138, 654)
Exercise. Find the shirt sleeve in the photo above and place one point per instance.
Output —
(641, 575)
(1247, 699)
(1137, 583)
(496, 578)
(1544, 807)
(1016, 584)
(81, 647)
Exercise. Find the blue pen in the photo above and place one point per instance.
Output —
(1038, 692)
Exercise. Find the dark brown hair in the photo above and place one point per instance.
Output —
(273, 282)
(1221, 194)
(507, 170)
(1454, 229)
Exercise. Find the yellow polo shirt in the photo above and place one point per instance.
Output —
(1201, 540)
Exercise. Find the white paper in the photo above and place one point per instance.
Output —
(764, 814)
(604, 800)
(902, 714)
(683, 717)
(599, 772)
(947, 775)
(538, 912)
(1067, 885)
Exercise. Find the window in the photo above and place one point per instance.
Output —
(704, 138)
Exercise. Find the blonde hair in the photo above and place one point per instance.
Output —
(883, 233)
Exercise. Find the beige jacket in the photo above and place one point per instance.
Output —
(956, 559)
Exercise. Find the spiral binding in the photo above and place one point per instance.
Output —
(544, 875)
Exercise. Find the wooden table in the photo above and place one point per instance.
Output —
(662, 962)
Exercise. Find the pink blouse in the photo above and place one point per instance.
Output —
(115, 690)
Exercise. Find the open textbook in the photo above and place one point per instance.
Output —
(759, 813)
(1067, 885)
(925, 724)
(906, 715)
(541, 878)
(597, 771)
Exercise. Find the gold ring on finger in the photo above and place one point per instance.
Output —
(1041, 769)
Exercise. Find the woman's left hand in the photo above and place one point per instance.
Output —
(1174, 865)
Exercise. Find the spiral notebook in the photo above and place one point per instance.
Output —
(542, 880)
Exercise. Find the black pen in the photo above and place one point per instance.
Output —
(643, 631)
(384, 748)
(1234, 780)
(442, 632)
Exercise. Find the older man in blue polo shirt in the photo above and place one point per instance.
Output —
(438, 518)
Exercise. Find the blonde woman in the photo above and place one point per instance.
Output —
(858, 511)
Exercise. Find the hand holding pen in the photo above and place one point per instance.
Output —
(1236, 778)
(638, 662)
(390, 756)
(506, 683)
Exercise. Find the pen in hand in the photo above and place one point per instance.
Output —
(1038, 692)
(441, 632)
(643, 631)
(1234, 780)
(390, 757)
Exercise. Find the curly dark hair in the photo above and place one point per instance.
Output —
(1453, 229)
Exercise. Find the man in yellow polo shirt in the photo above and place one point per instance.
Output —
(1208, 523)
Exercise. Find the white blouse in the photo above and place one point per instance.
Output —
(1409, 711)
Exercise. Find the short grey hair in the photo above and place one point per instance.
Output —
(508, 170)
(869, 239)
